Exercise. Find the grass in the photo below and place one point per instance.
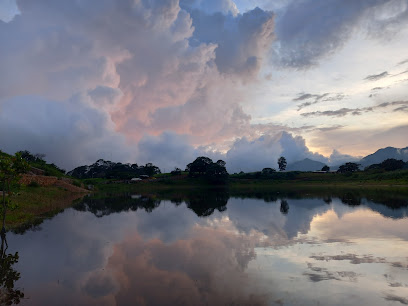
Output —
(33, 204)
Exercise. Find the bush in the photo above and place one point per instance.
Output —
(33, 184)
(77, 183)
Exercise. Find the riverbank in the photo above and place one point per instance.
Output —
(31, 205)
(288, 180)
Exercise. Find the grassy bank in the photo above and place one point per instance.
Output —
(33, 204)
(285, 180)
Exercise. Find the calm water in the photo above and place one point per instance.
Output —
(213, 248)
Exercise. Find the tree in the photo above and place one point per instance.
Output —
(8, 276)
(390, 164)
(268, 171)
(282, 163)
(326, 168)
(200, 165)
(151, 169)
(11, 167)
(176, 171)
(216, 173)
(348, 168)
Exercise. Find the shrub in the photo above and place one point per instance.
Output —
(77, 183)
(33, 184)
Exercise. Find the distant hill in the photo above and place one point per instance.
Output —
(383, 154)
(305, 165)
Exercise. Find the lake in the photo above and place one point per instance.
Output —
(217, 248)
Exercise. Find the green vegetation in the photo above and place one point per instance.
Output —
(11, 167)
(37, 161)
(32, 205)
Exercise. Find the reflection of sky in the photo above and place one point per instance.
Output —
(251, 254)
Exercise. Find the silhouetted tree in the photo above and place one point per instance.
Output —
(176, 171)
(151, 169)
(390, 164)
(268, 171)
(282, 163)
(200, 165)
(326, 168)
(8, 276)
(348, 167)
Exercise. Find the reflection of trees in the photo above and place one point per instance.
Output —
(8, 276)
(351, 199)
(204, 204)
(205, 201)
(104, 205)
(284, 207)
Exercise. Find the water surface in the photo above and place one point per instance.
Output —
(213, 248)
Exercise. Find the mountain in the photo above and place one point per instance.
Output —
(383, 154)
(305, 165)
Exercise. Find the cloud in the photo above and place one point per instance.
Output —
(211, 6)
(147, 67)
(376, 77)
(337, 113)
(319, 28)
(314, 99)
(246, 155)
(69, 132)
(143, 267)
(357, 111)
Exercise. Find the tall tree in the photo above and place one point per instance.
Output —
(11, 168)
(282, 163)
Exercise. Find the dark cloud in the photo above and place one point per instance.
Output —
(314, 98)
(356, 111)
(376, 77)
(338, 113)
(319, 274)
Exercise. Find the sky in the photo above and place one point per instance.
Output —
(166, 81)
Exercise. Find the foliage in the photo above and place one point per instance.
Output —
(8, 276)
(77, 183)
(268, 171)
(33, 184)
(390, 164)
(204, 166)
(110, 170)
(326, 168)
(37, 161)
(11, 167)
(199, 166)
(282, 163)
(348, 168)
(176, 171)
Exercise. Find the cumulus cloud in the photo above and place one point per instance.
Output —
(149, 66)
(265, 151)
(68, 132)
